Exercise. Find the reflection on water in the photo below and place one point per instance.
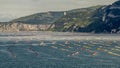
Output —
(57, 50)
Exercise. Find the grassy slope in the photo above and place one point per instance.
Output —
(80, 19)
(40, 18)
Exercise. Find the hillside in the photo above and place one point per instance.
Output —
(35, 22)
(80, 20)
(96, 19)
(40, 18)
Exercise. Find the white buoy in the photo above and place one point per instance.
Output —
(42, 43)
(66, 42)
(53, 42)
(76, 53)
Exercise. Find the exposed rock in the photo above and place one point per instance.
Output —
(112, 17)
(24, 27)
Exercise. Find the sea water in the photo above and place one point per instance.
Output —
(59, 50)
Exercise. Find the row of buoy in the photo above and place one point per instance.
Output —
(54, 47)
(115, 54)
(54, 42)
(94, 53)
(77, 53)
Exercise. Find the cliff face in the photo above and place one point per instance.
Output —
(24, 27)
(35, 22)
(111, 18)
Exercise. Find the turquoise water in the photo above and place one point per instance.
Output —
(23, 51)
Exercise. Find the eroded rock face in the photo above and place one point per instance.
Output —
(111, 17)
(23, 27)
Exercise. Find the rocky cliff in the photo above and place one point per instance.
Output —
(34, 22)
(8, 27)
(111, 18)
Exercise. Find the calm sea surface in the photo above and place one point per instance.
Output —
(59, 50)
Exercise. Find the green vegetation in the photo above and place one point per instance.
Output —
(80, 19)
(77, 20)
(40, 18)
(97, 19)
